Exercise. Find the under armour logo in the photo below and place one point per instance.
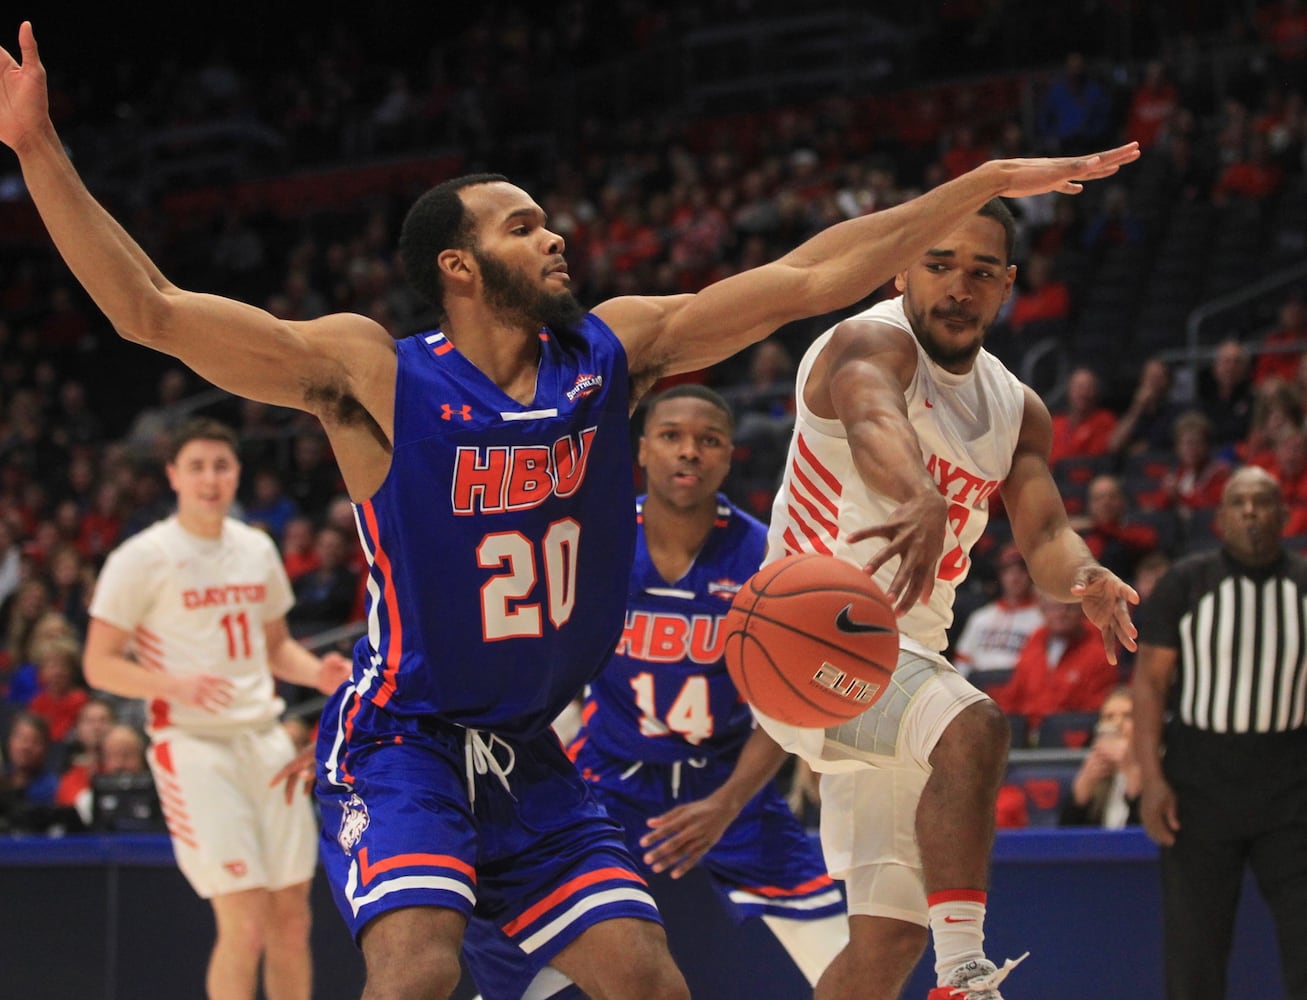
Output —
(447, 412)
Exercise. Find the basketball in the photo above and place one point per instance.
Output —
(811, 641)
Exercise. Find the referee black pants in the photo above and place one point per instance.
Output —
(1201, 882)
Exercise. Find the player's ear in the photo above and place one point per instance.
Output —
(901, 281)
(1008, 280)
(456, 265)
(639, 454)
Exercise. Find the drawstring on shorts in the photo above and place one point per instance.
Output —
(479, 755)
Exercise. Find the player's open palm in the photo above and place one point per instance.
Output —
(681, 836)
(1063, 173)
(1106, 599)
(24, 106)
(914, 532)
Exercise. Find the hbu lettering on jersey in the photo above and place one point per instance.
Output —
(498, 479)
(664, 638)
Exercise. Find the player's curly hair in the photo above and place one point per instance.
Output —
(437, 221)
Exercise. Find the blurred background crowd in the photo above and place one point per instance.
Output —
(1162, 315)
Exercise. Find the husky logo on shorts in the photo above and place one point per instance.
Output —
(354, 820)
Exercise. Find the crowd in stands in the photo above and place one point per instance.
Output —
(657, 201)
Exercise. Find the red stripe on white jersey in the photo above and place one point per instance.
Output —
(828, 477)
(812, 536)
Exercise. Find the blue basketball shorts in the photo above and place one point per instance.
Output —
(421, 813)
(765, 862)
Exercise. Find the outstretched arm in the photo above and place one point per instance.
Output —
(236, 346)
(1060, 563)
(833, 269)
(863, 372)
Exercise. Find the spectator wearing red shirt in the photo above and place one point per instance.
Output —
(1041, 295)
(1112, 538)
(93, 724)
(1085, 429)
(1063, 667)
(965, 152)
(1198, 477)
(102, 525)
(298, 553)
(1284, 26)
(1255, 177)
(1151, 105)
(1288, 463)
(1287, 342)
(61, 695)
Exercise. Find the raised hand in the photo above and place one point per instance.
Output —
(1062, 173)
(1106, 599)
(24, 104)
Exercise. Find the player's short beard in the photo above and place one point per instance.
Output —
(947, 357)
(510, 291)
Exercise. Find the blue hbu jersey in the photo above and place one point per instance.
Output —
(500, 541)
(665, 695)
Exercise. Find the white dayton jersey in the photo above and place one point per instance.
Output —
(968, 427)
(199, 605)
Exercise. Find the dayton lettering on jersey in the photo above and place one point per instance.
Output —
(236, 593)
(498, 479)
(959, 485)
(656, 637)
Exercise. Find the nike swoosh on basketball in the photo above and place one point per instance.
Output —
(845, 623)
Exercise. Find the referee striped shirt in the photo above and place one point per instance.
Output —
(1241, 636)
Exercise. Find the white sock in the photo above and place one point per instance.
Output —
(811, 943)
(957, 925)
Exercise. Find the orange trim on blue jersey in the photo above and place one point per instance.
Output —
(369, 871)
(343, 766)
(444, 347)
(395, 640)
(567, 890)
(818, 884)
